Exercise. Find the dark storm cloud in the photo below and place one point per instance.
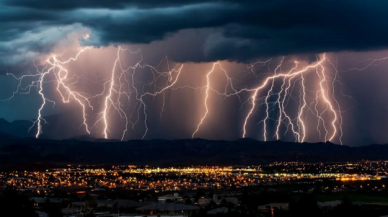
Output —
(74, 4)
(239, 30)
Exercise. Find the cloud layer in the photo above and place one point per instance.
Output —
(235, 30)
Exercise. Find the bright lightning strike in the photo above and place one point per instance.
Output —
(55, 67)
(299, 127)
(122, 89)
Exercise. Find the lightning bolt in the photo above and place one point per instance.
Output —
(108, 99)
(299, 130)
(55, 67)
(122, 89)
(281, 102)
(154, 94)
(209, 88)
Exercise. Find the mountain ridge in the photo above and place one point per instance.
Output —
(182, 152)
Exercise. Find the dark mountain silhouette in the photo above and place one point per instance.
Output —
(18, 146)
(58, 126)
(16, 128)
(180, 152)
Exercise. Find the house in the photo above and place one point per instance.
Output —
(168, 209)
(218, 199)
(222, 210)
(120, 203)
(329, 204)
(39, 201)
(271, 206)
(233, 200)
(42, 214)
(204, 201)
(74, 208)
(170, 198)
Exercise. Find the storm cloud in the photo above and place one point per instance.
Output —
(235, 30)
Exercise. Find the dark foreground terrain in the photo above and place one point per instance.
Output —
(178, 152)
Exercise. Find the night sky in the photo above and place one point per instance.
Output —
(353, 35)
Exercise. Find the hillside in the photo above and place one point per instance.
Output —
(179, 152)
